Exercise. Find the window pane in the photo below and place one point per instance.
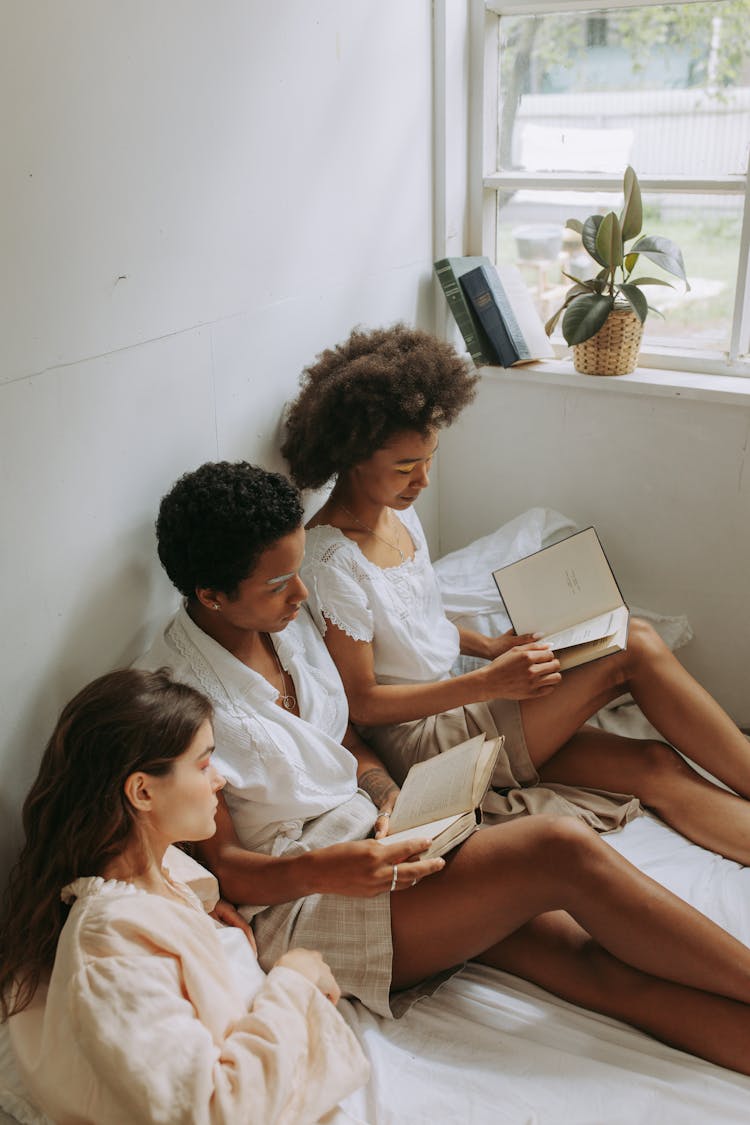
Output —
(666, 89)
(532, 235)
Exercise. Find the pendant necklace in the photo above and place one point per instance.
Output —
(288, 699)
(393, 546)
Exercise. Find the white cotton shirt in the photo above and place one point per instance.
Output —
(281, 770)
(398, 610)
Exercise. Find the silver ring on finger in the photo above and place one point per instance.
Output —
(394, 880)
(414, 882)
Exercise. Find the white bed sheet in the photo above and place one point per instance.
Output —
(489, 1049)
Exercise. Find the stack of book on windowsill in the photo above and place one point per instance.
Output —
(494, 312)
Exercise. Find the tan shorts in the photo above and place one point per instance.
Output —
(515, 784)
(353, 934)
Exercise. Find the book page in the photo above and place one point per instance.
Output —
(441, 786)
(591, 630)
(559, 586)
(534, 339)
(445, 834)
(431, 830)
(591, 650)
(486, 768)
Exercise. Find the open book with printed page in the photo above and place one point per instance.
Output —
(569, 594)
(440, 797)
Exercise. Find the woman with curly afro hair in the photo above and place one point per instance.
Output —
(369, 417)
(358, 395)
(305, 800)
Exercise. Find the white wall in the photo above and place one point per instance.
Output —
(197, 198)
(665, 479)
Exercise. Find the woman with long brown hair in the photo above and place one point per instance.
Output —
(126, 1002)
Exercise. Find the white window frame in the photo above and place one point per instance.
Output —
(485, 180)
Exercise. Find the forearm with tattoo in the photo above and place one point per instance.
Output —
(378, 784)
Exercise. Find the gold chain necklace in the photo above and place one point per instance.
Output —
(393, 546)
(288, 699)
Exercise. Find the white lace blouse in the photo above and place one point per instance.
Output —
(281, 770)
(399, 609)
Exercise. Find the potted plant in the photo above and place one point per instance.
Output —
(603, 316)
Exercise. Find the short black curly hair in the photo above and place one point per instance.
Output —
(359, 395)
(216, 522)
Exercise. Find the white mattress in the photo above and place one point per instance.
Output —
(488, 1048)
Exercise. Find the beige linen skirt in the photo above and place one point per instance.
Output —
(515, 784)
(353, 934)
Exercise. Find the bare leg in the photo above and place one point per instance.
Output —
(663, 782)
(505, 876)
(554, 952)
(680, 709)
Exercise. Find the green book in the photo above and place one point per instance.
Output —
(449, 271)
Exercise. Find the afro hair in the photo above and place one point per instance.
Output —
(216, 522)
(359, 395)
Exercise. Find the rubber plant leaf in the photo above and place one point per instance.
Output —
(588, 283)
(574, 291)
(664, 253)
(636, 300)
(584, 317)
(609, 241)
(588, 234)
(650, 281)
(632, 211)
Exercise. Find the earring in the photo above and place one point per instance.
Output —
(216, 605)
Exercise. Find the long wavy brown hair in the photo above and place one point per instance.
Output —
(77, 817)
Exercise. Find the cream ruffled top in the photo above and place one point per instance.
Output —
(149, 1017)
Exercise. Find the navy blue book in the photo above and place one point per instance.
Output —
(501, 309)
(476, 286)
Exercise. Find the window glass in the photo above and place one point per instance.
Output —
(532, 235)
(665, 89)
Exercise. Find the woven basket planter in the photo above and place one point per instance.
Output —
(615, 347)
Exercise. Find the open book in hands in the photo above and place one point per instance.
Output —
(568, 593)
(440, 797)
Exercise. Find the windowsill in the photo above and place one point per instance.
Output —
(726, 389)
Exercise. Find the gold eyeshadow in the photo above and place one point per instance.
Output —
(281, 580)
(409, 467)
